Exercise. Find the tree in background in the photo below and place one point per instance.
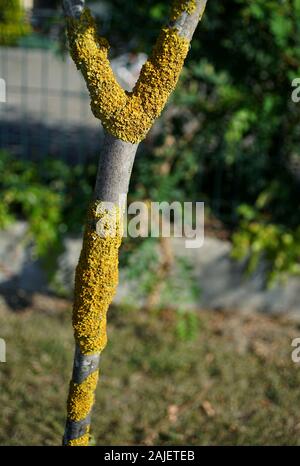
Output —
(12, 23)
(127, 117)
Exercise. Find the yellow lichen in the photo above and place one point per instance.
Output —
(90, 53)
(82, 441)
(126, 115)
(81, 397)
(179, 6)
(95, 284)
(96, 278)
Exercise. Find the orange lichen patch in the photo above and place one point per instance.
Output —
(126, 115)
(81, 397)
(82, 441)
(179, 6)
(96, 277)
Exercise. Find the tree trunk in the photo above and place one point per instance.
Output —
(126, 117)
(96, 280)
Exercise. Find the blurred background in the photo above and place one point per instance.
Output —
(199, 345)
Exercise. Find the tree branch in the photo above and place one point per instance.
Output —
(130, 115)
(73, 8)
(186, 24)
(127, 117)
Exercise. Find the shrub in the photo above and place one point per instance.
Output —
(13, 25)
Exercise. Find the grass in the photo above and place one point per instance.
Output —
(230, 381)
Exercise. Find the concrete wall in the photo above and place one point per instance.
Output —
(223, 282)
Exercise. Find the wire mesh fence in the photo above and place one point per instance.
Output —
(47, 111)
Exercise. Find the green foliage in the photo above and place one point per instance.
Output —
(53, 198)
(179, 288)
(187, 327)
(231, 134)
(269, 229)
(141, 266)
(232, 131)
(46, 196)
(145, 18)
(22, 193)
(257, 239)
(12, 22)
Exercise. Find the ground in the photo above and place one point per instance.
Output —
(165, 379)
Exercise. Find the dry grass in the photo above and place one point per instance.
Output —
(233, 383)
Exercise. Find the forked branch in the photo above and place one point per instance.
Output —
(130, 115)
(127, 117)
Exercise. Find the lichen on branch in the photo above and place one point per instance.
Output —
(96, 277)
(95, 284)
(126, 115)
(179, 6)
(81, 397)
(90, 54)
(82, 441)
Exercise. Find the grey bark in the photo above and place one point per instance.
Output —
(84, 365)
(114, 170)
(115, 166)
(75, 429)
(186, 24)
